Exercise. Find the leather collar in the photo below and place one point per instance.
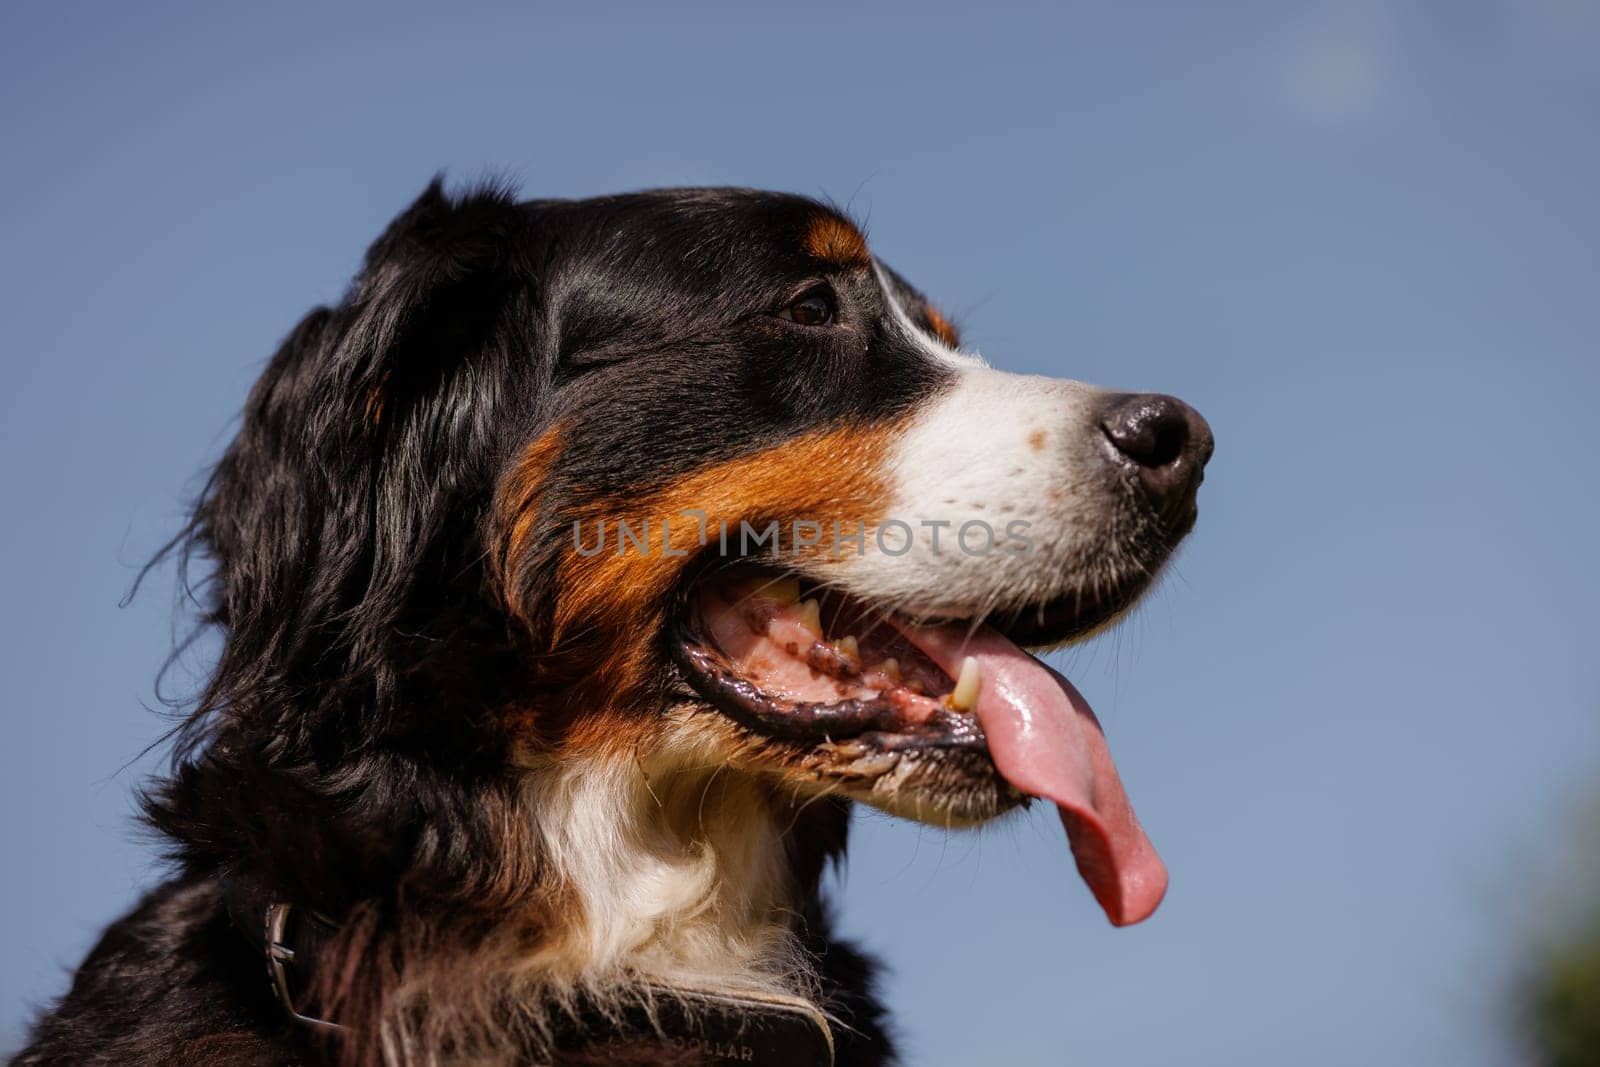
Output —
(720, 1025)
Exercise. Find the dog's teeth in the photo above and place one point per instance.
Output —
(849, 646)
(889, 668)
(783, 590)
(965, 695)
(811, 616)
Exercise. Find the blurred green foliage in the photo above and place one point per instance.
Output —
(1564, 1003)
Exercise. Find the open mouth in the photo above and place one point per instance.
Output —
(813, 668)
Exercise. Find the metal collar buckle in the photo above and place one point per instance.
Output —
(279, 954)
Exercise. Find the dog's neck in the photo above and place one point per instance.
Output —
(676, 874)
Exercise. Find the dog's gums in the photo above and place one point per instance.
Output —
(759, 651)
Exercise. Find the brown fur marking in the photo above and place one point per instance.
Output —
(942, 329)
(837, 242)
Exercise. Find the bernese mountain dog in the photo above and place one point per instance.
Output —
(573, 576)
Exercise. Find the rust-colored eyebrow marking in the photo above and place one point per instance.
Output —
(942, 329)
(836, 242)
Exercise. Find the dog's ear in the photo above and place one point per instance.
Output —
(430, 296)
(340, 519)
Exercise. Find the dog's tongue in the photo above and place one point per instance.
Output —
(1046, 742)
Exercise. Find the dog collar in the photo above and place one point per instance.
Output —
(718, 1025)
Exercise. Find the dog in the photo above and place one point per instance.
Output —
(574, 576)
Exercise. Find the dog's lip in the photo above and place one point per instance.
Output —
(812, 723)
(1056, 622)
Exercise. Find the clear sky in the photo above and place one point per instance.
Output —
(1359, 721)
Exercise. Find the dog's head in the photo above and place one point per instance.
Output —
(693, 477)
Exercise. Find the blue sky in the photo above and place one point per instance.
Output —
(1359, 720)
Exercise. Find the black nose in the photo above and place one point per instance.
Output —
(1162, 439)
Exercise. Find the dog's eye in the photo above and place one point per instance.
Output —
(815, 307)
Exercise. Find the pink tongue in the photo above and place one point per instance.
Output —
(1046, 742)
